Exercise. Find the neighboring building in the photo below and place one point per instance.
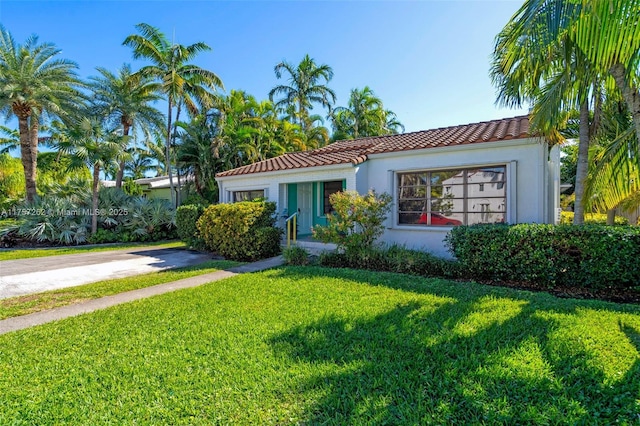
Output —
(489, 172)
(158, 187)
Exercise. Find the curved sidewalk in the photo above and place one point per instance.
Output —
(43, 317)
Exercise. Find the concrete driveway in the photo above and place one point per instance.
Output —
(26, 276)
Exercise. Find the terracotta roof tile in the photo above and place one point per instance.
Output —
(356, 151)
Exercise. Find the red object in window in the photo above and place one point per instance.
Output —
(438, 219)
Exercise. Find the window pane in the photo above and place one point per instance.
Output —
(447, 177)
(496, 217)
(247, 195)
(412, 205)
(330, 188)
(486, 205)
(486, 210)
(409, 218)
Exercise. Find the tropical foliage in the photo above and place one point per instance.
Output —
(124, 100)
(364, 116)
(181, 82)
(573, 55)
(35, 83)
(120, 217)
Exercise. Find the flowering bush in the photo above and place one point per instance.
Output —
(357, 220)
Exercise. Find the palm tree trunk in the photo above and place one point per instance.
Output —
(179, 193)
(34, 125)
(583, 163)
(121, 165)
(25, 155)
(630, 94)
(167, 153)
(94, 198)
(611, 217)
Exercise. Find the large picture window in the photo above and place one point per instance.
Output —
(247, 195)
(452, 197)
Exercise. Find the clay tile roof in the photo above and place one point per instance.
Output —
(356, 151)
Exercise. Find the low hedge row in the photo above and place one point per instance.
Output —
(241, 231)
(392, 259)
(589, 255)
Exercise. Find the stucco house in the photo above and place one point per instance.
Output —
(488, 172)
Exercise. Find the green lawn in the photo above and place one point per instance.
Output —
(22, 305)
(323, 346)
(13, 254)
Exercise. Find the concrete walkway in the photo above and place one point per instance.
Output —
(25, 321)
(25, 276)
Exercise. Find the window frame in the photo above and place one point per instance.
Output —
(506, 185)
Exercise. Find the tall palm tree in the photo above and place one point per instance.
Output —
(181, 82)
(555, 78)
(34, 83)
(605, 31)
(90, 144)
(305, 89)
(125, 99)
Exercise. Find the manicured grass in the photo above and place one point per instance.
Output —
(321, 346)
(22, 305)
(14, 254)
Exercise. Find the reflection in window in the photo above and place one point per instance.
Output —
(330, 188)
(452, 197)
(247, 195)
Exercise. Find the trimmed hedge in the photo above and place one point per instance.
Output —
(186, 222)
(241, 231)
(590, 255)
(392, 259)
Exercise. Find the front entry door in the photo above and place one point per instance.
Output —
(305, 208)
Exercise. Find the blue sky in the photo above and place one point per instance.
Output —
(427, 60)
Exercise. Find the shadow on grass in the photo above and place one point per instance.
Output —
(415, 365)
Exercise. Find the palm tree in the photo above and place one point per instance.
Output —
(556, 79)
(614, 173)
(11, 141)
(90, 144)
(304, 89)
(34, 84)
(141, 161)
(125, 99)
(364, 116)
(196, 154)
(605, 31)
(181, 82)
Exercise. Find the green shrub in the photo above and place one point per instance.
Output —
(241, 231)
(357, 220)
(566, 255)
(566, 218)
(296, 256)
(392, 259)
(186, 223)
(104, 236)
